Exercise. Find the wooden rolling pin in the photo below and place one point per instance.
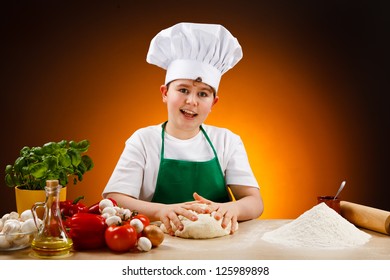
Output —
(366, 217)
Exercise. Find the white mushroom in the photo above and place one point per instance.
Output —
(126, 214)
(13, 215)
(139, 226)
(109, 210)
(26, 214)
(106, 215)
(28, 226)
(105, 203)
(144, 244)
(5, 217)
(13, 229)
(11, 226)
(4, 244)
(21, 240)
(112, 220)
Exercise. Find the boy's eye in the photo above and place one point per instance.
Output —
(203, 94)
(184, 90)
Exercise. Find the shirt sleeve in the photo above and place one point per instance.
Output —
(238, 170)
(128, 174)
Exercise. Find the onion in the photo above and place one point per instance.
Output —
(154, 234)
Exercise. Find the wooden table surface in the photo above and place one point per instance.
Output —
(245, 244)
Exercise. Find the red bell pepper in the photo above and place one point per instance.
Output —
(69, 208)
(94, 208)
(87, 231)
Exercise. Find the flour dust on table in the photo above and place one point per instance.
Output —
(319, 227)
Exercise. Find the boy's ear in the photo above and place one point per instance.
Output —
(215, 100)
(164, 91)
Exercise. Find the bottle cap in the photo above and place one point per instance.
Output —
(52, 183)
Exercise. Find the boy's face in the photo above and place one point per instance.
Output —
(189, 102)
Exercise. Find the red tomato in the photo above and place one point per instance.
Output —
(121, 238)
(143, 218)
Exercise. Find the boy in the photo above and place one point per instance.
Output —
(166, 169)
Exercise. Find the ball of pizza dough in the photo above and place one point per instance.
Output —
(205, 227)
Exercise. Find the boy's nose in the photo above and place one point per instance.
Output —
(191, 99)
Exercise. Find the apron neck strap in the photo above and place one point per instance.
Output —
(208, 140)
(162, 139)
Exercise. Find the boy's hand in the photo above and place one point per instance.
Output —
(226, 211)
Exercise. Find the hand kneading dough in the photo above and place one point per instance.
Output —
(205, 227)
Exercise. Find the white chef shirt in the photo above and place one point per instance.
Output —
(136, 171)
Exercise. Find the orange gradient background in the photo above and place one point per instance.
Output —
(299, 98)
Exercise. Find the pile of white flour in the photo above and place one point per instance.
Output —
(319, 227)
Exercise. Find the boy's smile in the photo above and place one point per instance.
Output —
(188, 113)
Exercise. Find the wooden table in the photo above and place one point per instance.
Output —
(245, 244)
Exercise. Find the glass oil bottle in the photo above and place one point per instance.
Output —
(51, 240)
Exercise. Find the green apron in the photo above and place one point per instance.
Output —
(177, 180)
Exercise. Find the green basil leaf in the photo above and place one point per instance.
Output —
(38, 170)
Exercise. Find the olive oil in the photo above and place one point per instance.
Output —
(51, 239)
(52, 247)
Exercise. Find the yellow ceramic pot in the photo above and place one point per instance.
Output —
(25, 199)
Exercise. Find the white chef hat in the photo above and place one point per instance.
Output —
(195, 51)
